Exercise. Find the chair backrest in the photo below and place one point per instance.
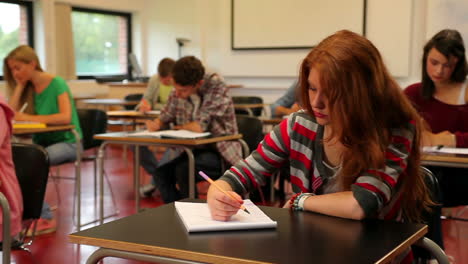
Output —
(32, 169)
(432, 218)
(251, 129)
(92, 121)
(257, 111)
(132, 97)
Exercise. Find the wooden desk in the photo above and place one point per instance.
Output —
(271, 121)
(445, 160)
(249, 107)
(49, 128)
(127, 84)
(110, 101)
(132, 114)
(184, 144)
(158, 235)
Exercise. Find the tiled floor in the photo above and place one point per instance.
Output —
(55, 248)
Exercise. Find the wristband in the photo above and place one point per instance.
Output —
(298, 204)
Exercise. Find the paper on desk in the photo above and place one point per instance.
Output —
(170, 134)
(197, 218)
(153, 112)
(447, 150)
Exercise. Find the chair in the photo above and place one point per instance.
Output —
(242, 100)
(431, 245)
(251, 129)
(132, 97)
(6, 239)
(92, 122)
(32, 179)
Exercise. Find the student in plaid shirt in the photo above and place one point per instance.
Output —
(198, 103)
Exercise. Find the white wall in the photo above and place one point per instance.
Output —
(157, 23)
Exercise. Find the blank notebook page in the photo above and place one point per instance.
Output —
(196, 217)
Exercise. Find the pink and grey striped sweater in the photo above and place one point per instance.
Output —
(297, 140)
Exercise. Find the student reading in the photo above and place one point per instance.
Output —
(49, 101)
(442, 100)
(349, 155)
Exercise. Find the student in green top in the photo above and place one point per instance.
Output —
(159, 87)
(49, 101)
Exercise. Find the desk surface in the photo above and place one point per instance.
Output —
(110, 101)
(49, 128)
(131, 114)
(123, 137)
(445, 160)
(317, 239)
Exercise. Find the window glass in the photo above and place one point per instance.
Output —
(101, 42)
(14, 29)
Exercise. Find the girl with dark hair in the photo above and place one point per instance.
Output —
(442, 100)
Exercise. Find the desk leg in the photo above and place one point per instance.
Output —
(191, 172)
(100, 162)
(136, 176)
(78, 178)
(106, 252)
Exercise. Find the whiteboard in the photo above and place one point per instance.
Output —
(291, 24)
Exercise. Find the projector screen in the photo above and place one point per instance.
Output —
(266, 24)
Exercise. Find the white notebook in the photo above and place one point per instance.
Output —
(196, 218)
(186, 134)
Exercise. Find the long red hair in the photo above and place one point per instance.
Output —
(365, 103)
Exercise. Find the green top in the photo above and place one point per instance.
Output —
(46, 103)
(164, 91)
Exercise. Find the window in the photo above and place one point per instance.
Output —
(101, 42)
(15, 27)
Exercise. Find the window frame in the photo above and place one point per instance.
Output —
(128, 16)
(30, 17)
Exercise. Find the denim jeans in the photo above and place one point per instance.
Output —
(176, 172)
(62, 152)
(149, 162)
(59, 153)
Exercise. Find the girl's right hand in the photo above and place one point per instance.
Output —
(222, 206)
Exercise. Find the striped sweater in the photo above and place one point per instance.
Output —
(297, 140)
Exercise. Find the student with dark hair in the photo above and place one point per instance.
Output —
(442, 100)
(348, 157)
(199, 103)
(159, 86)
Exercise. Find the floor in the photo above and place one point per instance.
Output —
(55, 248)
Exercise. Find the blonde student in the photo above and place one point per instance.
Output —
(49, 101)
(349, 156)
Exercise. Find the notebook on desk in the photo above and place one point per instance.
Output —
(179, 134)
(28, 124)
(196, 217)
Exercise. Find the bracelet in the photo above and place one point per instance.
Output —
(298, 204)
(291, 201)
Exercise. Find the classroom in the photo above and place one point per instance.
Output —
(245, 49)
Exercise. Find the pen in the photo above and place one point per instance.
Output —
(23, 107)
(219, 188)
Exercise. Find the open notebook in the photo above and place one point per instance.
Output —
(196, 217)
(170, 134)
(447, 150)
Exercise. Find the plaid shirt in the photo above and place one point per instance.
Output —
(212, 108)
